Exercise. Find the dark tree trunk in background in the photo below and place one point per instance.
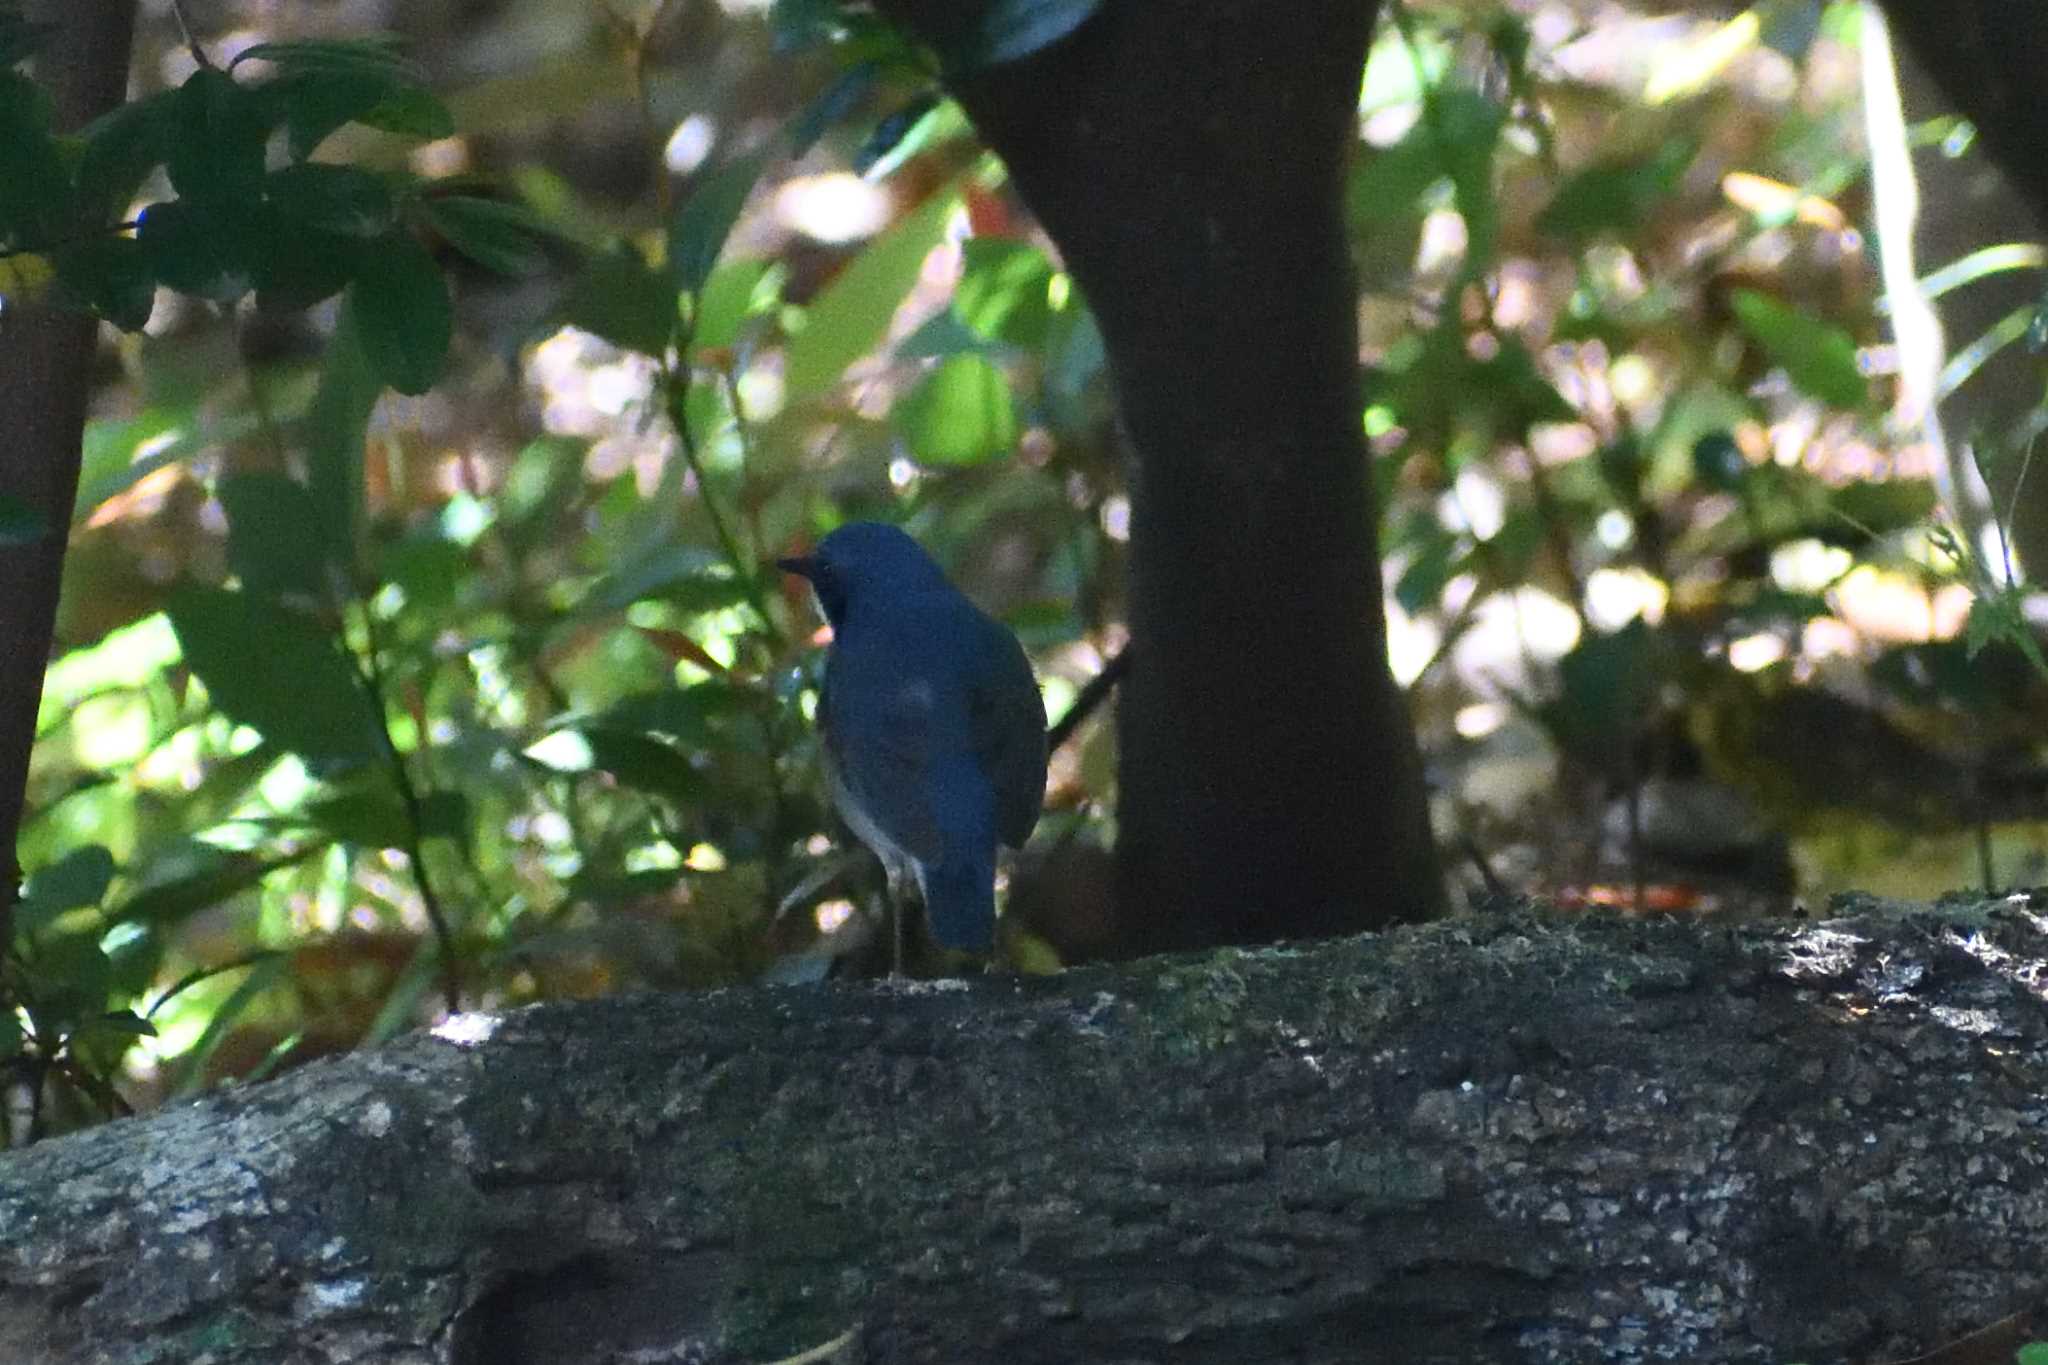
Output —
(1480, 1140)
(1989, 56)
(1988, 62)
(1187, 157)
(45, 377)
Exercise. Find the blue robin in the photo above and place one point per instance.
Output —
(933, 729)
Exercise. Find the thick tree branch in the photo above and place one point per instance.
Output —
(1487, 1139)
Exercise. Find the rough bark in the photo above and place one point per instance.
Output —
(1187, 157)
(1483, 1140)
(45, 375)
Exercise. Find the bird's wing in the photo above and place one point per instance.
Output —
(1006, 717)
(878, 733)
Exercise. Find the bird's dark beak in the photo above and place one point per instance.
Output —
(800, 565)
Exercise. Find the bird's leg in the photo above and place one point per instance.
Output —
(895, 898)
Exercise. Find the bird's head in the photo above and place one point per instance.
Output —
(864, 560)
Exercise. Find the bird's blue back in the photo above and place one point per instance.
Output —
(936, 733)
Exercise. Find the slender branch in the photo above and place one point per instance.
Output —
(185, 30)
(1092, 694)
(675, 383)
(369, 674)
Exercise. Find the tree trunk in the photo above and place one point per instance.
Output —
(1187, 157)
(1481, 1140)
(45, 377)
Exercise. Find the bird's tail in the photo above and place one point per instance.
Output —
(960, 898)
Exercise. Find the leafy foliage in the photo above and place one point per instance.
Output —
(490, 691)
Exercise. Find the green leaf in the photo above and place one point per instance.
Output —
(314, 103)
(35, 206)
(410, 111)
(1468, 126)
(126, 1022)
(404, 320)
(336, 427)
(374, 818)
(2033, 1353)
(1005, 291)
(1611, 683)
(216, 133)
(71, 976)
(78, 879)
(200, 248)
(429, 569)
(110, 276)
(275, 670)
(1819, 357)
(1008, 30)
(650, 574)
(297, 267)
(20, 39)
(960, 413)
(852, 315)
(274, 545)
(20, 524)
(204, 878)
(508, 238)
(1617, 196)
(1389, 184)
(445, 815)
(736, 291)
(1859, 511)
(634, 760)
(620, 298)
(698, 234)
(122, 147)
(379, 55)
(337, 199)
(263, 974)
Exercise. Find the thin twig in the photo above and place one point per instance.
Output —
(676, 387)
(185, 29)
(1092, 694)
(369, 673)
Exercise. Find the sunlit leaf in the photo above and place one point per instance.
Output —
(263, 974)
(847, 321)
(635, 760)
(78, 879)
(1004, 292)
(336, 428)
(203, 877)
(736, 291)
(960, 413)
(698, 234)
(304, 696)
(1819, 357)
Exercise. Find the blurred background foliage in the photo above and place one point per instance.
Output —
(416, 644)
